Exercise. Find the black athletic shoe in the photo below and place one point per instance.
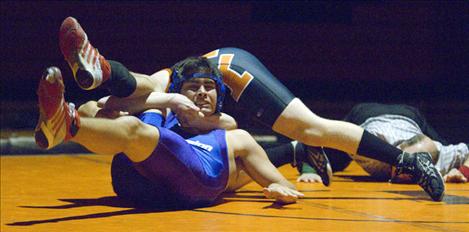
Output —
(317, 159)
(420, 166)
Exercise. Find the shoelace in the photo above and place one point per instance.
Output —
(424, 180)
(318, 160)
(403, 167)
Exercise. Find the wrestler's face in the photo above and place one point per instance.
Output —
(203, 92)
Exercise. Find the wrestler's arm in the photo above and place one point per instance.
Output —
(188, 113)
(154, 100)
(459, 175)
(256, 164)
(223, 121)
(151, 95)
(146, 85)
(208, 123)
(455, 176)
(186, 110)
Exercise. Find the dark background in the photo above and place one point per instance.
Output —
(330, 54)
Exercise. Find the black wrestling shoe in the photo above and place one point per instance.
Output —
(317, 159)
(420, 166)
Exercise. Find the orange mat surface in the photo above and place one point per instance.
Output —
(74, 193)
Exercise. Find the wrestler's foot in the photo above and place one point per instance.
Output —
(58, 121)
(420, 166)
(89, 68)
(317, 159)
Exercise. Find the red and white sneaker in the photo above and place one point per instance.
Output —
(89, 68)
(58, 121)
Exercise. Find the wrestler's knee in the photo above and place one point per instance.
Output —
(141, 138)
(242, 138)
(131, 125)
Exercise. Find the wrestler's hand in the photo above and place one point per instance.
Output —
(309, 178)
(282, 194)
(129, 105)
(455, 176)
(184, 108)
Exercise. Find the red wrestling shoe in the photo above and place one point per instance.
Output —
(89, 68)
(58, 121)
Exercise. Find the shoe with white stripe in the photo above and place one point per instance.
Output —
(58, 121)
(89, 68)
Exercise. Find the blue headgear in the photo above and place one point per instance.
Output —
(177, 80)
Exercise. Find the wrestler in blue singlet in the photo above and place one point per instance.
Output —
(251, 85)
(193, 169)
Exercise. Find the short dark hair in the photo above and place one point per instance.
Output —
(197, 66)
(194, 64)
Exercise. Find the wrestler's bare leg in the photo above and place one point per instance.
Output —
(299, 123)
